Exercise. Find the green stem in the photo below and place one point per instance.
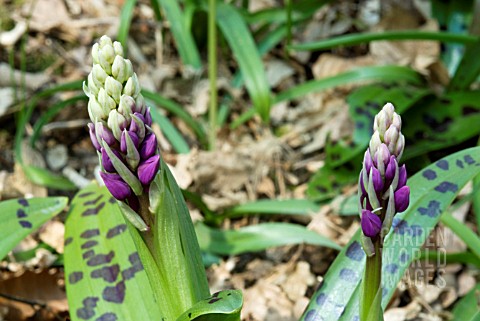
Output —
(370, 308)
(212, 72)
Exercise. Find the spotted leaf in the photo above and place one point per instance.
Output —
(432, 191)
(105, 278)
(20, 217)
(221, 306)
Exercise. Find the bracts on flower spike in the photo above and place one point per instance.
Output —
(382, 182)
(120, 131)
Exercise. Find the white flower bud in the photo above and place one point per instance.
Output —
(140, 105)
(126, 106)
(95, 53)
(106, 49)
(113, 88)
(95, 110)
(105, 100)
(375, 142)
(99, 75)
(390, 138)
(117, 123)
(117, 47)
(119, 69)
(92, 86)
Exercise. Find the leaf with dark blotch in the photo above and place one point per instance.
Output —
(221, 306)
(105, 278)
(20, 217)
(338, 296)
(441, 122)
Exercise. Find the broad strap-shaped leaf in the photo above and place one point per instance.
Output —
(21, 216)
(257, 238)
(105, 278)
(432, 191)
(221, 306)
(441, 122)
(468, 308)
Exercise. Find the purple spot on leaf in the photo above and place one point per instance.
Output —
(321, 298)
(213, 300)
(468, 159)
(115, 294)
(114, 231)
(74, 277)
(429, 174)
(93, 202)
(85, 313)
(313, 315)
(93, 211)
(21, 213)
(88, 254)
(391, 268)
(89, 244)
(109, 316)
(443, 164)
(404, 257)
(22, 202)
(112, 200)
(459, 163)
(100, 259)
(68, 240)
(108, 273)
(432, 210)
(90, 301)
(355, 251)
(446, 187)
(90, 233)
(85, 194)
(25, 224)
(348, 275)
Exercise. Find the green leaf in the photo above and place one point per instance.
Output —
(432, 191)
(257, 238)
(183, 38)
(468, 307)
(221, 306)
(468, 69)
(441, 122)
(240, 40)
(20, 217)
(105, 277)
(125, 21)
(44, 177)
(172, 134)
(178, 111)
(287, 207)
(383, 73)
(355, 39)
(327, 182)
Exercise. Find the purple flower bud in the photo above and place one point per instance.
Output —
(402, 177)
(390, 171)
(93, 137)
(367, 162)
(371, 223)
(402, 199)
(382, 155)
(377, 180)
(107, 162)
(149, 146)
(148, 117)
(116, 185)
(105, 134)
(123, 143)
(148, 169)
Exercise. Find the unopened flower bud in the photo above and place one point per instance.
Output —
(375, 142)
(113, 88)
(99, 75)
(148, 169)
(119, 69)
(149, 146)
(104, 134)
(107, 162)
(371, 223)
(123, 141)
(95, 110)
(92, 88)
(137, 125)
(104, 99)
(106, 47)
(117, 48)
(402, 176)
(402, 199)
(132, 87)
(93, 137)
(116, 185)
(117, 123)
